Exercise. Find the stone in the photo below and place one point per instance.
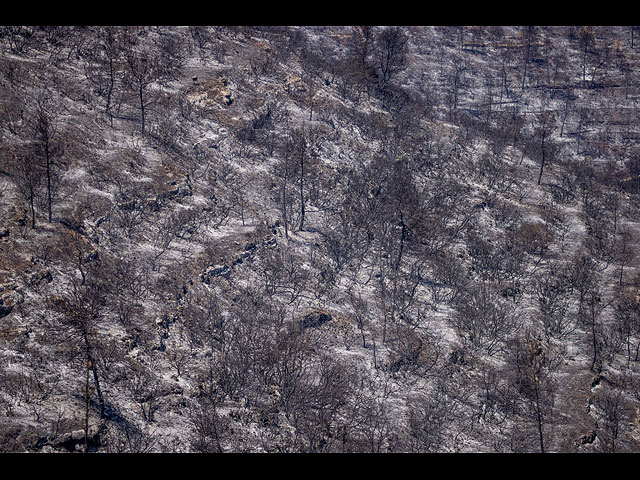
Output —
(5, 310)
(219, 271)
(315, 319)
(588, 438)
(11, 299)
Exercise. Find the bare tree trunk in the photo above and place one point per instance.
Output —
(302, 192)
(594, 344)
(284, 206)
(526, 64)
(45, 137)
(86, 411)
(564, 117)
(540, 421)
(541, 165)
(48, 159)
(98, 389)
(403, 236)
(140, 93)
(110, 91)
(33, 209)
(375, 360)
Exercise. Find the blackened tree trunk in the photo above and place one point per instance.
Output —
(45, 132)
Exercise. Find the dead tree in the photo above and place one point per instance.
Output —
(47, 143)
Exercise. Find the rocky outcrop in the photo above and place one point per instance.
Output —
(70, 442)
(315, 319)
(224, 270)
(209, 93)
(10, 296)
(43, 274)
(588, 438)
(216, 271)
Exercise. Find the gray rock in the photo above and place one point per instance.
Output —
(4, 310)
(219, 271)
(315, 319)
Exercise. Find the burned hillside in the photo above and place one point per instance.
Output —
(319, 239)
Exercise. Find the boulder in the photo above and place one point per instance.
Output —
(43, 274)
(315, 319)
(9, 300)
(588, 438)
(5, 310)
(219, 271)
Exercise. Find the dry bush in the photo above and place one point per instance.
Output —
(534, 237)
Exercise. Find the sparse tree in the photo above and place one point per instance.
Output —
(209, 426)
(482, 320)
(586, 43)
(28, 176)
(144, 70)
(80, 313)
(48, 145)
(390, 49)
(545, 126)
(529, 38)
(361, 49)
(531, 366)
(108, 57)
(627, 321)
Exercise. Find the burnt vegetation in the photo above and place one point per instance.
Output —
(319, 239)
